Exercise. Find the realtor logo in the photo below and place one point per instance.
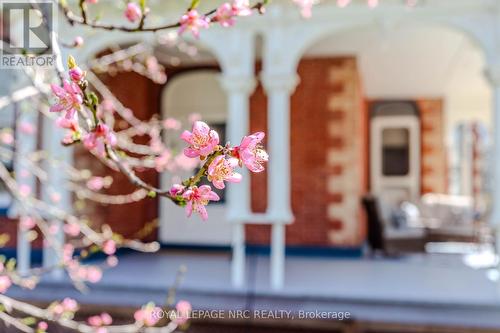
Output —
(26, 34)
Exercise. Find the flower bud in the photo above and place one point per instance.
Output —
(176, 189)
(76, 74)
(78, 41)
(132, 12)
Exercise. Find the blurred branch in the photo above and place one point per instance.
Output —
(82, 20)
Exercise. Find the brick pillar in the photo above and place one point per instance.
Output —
(434, 169)
(345, 154)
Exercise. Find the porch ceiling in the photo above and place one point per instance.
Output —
(400, 60)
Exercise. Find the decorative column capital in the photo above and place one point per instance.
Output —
(286, 82)
(238, 83)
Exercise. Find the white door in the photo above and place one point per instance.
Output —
(195, 92)
(395, 157)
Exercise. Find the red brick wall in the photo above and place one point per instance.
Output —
(9, 227)
(311, 116)
(143, 96)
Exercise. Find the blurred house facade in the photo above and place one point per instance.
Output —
(353, 100)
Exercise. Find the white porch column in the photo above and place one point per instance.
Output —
(236, 56)
(25, 144)
(238, 89)
(279, 88)
(56, 182)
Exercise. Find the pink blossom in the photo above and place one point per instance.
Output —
(198, 198)
(159, 77)
(139, 315)
(251, 153)
(241, 8)
(155, 70)
(68, 139)
(148, 315)
(69, 98)
(176, 189)
(42, 326)
(109, 247)
(225, 15)
(72, 229)
(106, 106)
(69, 304)
(5, 283)
(152, 64)
(24, 190)
(112, 261)
(172, 123)
(27, 223)
(183, 309)
(305, 7)
(95, 183)
(156, 144)
(193, 21)
(94, 274)
(53, 229)
(372, 3)
(97, 139)
(106, 318)
(132, 12)
(55, 197)
(29, 283)
(162, 162)
(27, 128)
(98, 321)
(202, 140)
(68, 250)
(6, 138)
(68, 123)
(78, 41)
(76, 74)
(222, 169)
(92, 1)
(95, 321)
(152, 316)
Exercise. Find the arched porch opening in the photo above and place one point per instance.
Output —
(434, 66)
(194, 93)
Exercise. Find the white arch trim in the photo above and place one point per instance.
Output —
(291, 36)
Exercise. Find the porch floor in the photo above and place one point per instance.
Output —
(429, 289)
